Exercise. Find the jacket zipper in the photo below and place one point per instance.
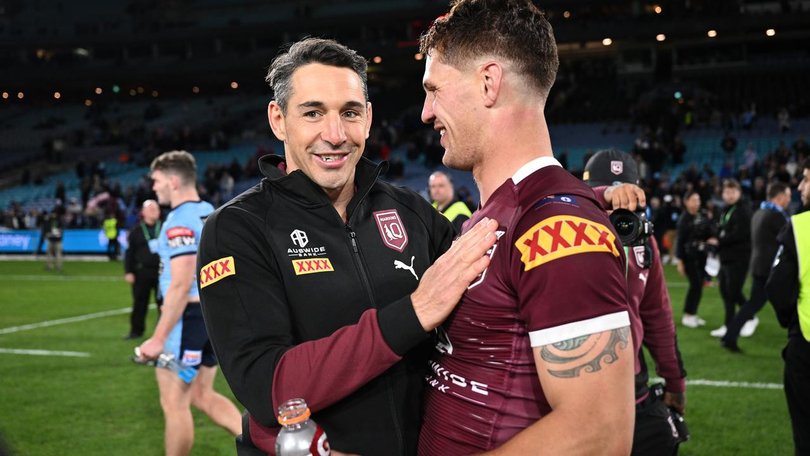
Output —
(358, 257)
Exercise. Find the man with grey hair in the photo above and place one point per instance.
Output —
(317, 283)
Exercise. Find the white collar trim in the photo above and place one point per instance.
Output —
(532, 166)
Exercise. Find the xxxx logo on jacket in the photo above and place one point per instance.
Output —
(392, 230)
(217, 270)
(563, 235)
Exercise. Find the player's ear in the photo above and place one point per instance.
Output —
(490, 75)
(275, 117)
(368, 118)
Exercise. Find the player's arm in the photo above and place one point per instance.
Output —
(174, 303)
(655, 310)
(588, 381)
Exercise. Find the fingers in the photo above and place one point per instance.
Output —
(627, 196)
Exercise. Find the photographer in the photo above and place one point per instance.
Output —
(695, 239)
(657, 409)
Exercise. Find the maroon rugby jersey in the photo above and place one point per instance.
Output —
(556, 272)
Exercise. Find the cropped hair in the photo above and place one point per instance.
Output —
(515, 30)
(312, 50)
(179, 163)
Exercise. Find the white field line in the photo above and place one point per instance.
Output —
(20, 351)
(61, 278)
(62, 321)
(726, 383)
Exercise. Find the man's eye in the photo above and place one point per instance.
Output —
(351, 114)
(312, 114)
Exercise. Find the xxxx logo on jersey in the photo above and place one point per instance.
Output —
(312, 266)
(217, 270)
(561, 236)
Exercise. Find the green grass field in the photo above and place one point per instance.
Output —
(104, 404)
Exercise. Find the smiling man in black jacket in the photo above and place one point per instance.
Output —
(317, 283)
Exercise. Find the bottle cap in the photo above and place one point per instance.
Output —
(293, 411)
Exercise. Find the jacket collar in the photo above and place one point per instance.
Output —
(299, 186)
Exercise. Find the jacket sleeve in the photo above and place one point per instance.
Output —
(684, 232)
(783, 282)
(249, 323)
(129, 256)
(659, 330)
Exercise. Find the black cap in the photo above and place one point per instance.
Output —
(610, 166)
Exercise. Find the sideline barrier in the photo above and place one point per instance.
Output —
(73, 241)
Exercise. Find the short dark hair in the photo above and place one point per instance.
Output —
(732, 183)
(312, 50)
(806, 163)
(775, 189)
(512, 29)
(177, 162)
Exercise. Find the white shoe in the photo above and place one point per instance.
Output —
(749, 327)
(692, 321)
(719, 332)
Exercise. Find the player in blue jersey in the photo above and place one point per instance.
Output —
(181, 330)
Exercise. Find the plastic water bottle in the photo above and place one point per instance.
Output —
(167, 361)
(299, 435)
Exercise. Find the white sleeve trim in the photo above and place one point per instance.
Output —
(579, 328)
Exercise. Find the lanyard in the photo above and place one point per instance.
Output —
(728, 215)
(146, 232)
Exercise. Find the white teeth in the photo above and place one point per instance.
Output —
(328, 158)
(442, 132)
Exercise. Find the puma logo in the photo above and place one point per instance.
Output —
(400, 265)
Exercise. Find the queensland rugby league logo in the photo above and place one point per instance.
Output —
(392, 230)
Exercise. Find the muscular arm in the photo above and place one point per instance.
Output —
(174, 303)
(588, 382)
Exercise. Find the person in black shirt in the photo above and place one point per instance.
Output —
(141, 264)
(766, 223)
(694, 235)
(734, 249)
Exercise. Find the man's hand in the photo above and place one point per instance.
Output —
(625, 196)
(151, 348)
(130, 278)
(681, 269)
(676, 401)
(443, 283)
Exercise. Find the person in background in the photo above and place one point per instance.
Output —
(694, 232)
(181, 331)
(766, 224)
(734, 249)
(656, 431)
(445, 201)
(788, 288)
(53, 230)
(141, 266)
(538, 355)
(110, 225)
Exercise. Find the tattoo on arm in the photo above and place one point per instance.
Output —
(585, 353)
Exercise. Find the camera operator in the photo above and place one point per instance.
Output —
(657, 409)
(696, 238)
(735, 251)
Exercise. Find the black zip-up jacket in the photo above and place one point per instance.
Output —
(735, 233)
(139, 260)
(300, 304)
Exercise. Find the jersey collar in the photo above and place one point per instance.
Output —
(532, 166)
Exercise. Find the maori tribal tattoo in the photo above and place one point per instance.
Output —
(585, 353)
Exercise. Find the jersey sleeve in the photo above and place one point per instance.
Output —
(181, 236)
(569, 272)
